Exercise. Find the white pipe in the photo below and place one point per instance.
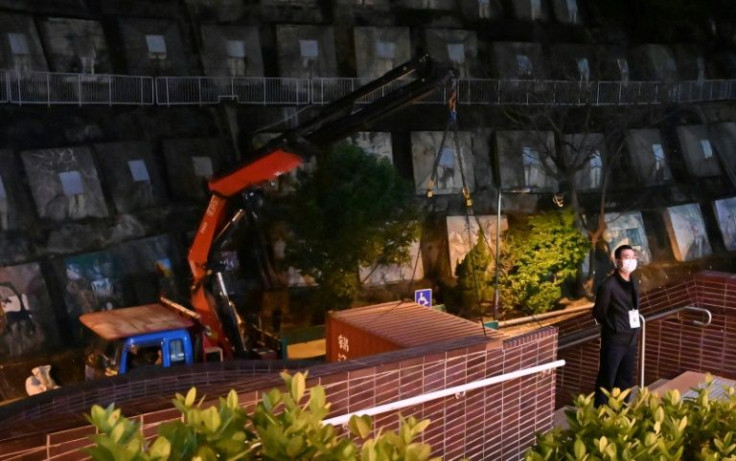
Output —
(416, 400)
(643, 348)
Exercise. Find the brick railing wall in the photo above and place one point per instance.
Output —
(673, 343)
(496, 422)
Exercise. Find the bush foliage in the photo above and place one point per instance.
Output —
(353, 209)
(280, 428)
(649, 428)
(540, 255)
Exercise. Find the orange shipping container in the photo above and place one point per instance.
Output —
(391, 326)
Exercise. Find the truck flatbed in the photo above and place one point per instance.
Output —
(131, 321)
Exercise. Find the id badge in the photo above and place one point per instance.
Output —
(634, 321)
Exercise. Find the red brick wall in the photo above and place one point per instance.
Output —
(496, 422)
(673, 344)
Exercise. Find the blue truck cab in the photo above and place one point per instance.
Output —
(163, 348)
(137, 337)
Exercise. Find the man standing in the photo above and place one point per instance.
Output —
(617, 311)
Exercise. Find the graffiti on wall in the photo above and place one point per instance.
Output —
(27, 319)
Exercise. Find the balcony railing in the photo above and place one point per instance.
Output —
(82, 89)
(51, 88)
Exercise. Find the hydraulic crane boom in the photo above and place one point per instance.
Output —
(281, 155)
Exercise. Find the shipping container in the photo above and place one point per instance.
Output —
(370, 330)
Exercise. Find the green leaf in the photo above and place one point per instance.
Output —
(294, 447)
(232, 399)
(161, 449)
(191, 396)
(580, 449)
(360, 426)
(298, 386)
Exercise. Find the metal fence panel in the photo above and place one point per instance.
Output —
(66, 88)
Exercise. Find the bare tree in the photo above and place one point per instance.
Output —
(588, 140)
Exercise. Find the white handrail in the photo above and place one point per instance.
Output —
(455, 390)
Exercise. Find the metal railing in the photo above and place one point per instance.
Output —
(644, 320)
(52, 88)
(81, 89)
(708, 316)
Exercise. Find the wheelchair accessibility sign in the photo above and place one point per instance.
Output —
(423, 297)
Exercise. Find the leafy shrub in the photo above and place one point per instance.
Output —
(475, 279)
(280, 428)
(541, 254)
(650, 428)
(353, 209)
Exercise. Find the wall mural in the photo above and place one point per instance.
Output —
(627, 229)
(132, 273)
(91, 282)
(64, 183)
(382, 274)
(425, 146)
(462, 235)
(726, 215)
(686, 229)
(148, 269)
(27, 319)
(376, 143)
(287, 276)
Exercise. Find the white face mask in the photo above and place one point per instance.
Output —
(628, 265)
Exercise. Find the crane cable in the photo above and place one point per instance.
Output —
(452, 126)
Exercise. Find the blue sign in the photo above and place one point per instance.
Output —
(423, 297)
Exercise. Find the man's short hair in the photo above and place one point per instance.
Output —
(619, 250)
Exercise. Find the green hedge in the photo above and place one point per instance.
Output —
(280, 428)
(649, 428)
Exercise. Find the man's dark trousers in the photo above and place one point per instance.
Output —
(617, 362)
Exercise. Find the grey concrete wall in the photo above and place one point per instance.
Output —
(698, 151)
(132, 175)
(64, 183)
(298, 55)
(459, 48)
(187, 162)
(297, 11)
(653, 62)
(376, 143)
(613, 63)
(505, 63)
(149, 268)
(462, 235)
(380, 49)
(70, 41)
(537, 172)
(482, 9)
(691, 63)
(530, 10)
(427, 4)
(27, 311)
(130, 273)
(90, 282)
(627, 229)
(567, 11)
(565, 62)
(16, 208)
(641, 145)
(686, 230)
(177, 60)
(725, 211)
(587, 150)
(223, 11)
(79, 7)
(29, 54)
(425, 146)
(215, 55)
(724, 138)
